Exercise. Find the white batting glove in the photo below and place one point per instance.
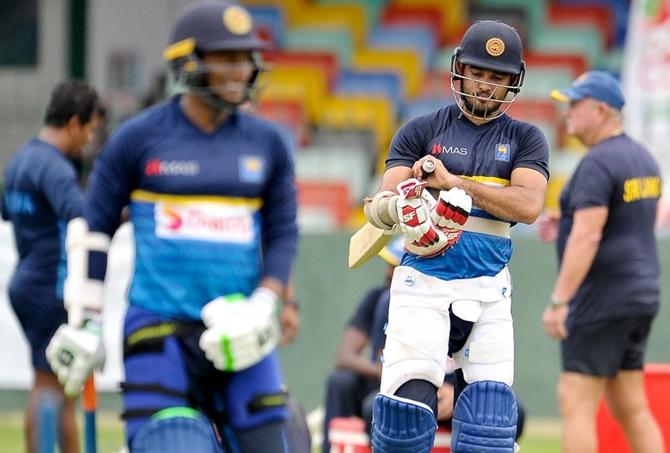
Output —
(241, 332)
(74, 352)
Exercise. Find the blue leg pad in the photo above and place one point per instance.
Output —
(401, 426)
(176, 430)
(484, 419)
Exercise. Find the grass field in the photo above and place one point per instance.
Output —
(541, 436)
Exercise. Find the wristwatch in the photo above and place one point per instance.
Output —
(556, 303)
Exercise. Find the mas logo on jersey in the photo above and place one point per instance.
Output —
(204, 221)
(157, 167)
(438, 148)
(502, 152)
(252, 169)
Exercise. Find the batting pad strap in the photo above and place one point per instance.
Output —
(485, 418)
(487, 226)
(400, 425)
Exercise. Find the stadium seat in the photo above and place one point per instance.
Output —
(571, 39)
(345, 15)
(536, 12)
(620, 10)
(454, 15)
(323, 61)
(289, 114)
(415, 38)
(347, 435)
(575, 62)
(436, 83)
(426, 16)
(372, 8)
(423, 106)
(289, 6)
(350, 165)
(326, 205)
(387, 84)
(336, 40)
(405, 63)
(270, 18)
(374, 113)
(304, 84)
(657, 385)
(598, 15)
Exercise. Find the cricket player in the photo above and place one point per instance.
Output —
(42, 194)
(213, 206)
(451, 295)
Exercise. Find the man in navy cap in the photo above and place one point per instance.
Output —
(607, 290)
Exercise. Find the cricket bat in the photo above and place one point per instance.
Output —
(368, 241)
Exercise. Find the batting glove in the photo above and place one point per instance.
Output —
(74, 352)
(240, 332)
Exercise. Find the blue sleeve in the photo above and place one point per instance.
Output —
(59, 184)
(279, 215)
(362, 319)
(533, 151)
(111, 182)
(593, 184)
(407, 145)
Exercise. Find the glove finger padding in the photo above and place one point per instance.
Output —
(452, 209)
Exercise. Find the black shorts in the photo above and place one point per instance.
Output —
(604, 347)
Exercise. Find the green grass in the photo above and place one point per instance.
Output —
(541, 436)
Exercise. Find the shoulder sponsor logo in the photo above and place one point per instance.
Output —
(156, 167)
(502, 152)
(437, 148)
(204, 221)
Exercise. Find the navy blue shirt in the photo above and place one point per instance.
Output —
(212, 213)
(487, 153)
(619, 174)
(370, 318)
(42, 195)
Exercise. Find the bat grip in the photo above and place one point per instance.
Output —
(427, 167)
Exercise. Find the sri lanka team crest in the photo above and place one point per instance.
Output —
(252, 169)
(502, 152)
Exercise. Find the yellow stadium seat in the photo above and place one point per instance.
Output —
(306, 84)
(290, 6)
(360, 112)
(454, 13)
(351, 16)
(405, 63)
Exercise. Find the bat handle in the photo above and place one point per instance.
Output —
(427, 167)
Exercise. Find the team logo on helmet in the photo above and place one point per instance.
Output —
(495, 47)
(237, 20)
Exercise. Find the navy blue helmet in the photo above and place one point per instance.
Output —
(493, 45)
(210, 26)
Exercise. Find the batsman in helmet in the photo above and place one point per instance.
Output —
(212, 202)
(451, 294)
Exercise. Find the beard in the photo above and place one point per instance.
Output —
(471, 106)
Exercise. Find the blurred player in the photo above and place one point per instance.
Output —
(452, 292)
(42, 194)
(213, 207)
(607, 290)
(352, 386)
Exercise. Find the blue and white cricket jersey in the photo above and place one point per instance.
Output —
(212, 213)
(487, 153)
(42, 195)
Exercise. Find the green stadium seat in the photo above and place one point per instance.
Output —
(337, 40)
(372, 8)
(570, 39)
(350, 16)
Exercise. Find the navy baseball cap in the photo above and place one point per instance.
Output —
(598, 85)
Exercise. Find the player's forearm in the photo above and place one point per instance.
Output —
(513, 203)
(359, 365)
(580, 251)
